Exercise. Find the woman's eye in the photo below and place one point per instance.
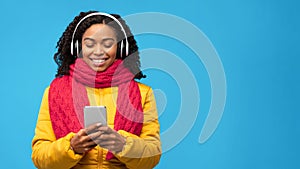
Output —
(108, 45)
(89, 45)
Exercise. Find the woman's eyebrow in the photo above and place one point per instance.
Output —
(104, 39)
(89, 39)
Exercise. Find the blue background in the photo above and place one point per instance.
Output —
(258, 42)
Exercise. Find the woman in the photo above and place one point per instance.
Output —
(97, 61)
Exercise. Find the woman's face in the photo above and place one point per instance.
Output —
(99, 47)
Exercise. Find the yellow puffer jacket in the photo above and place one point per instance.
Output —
(140, 152)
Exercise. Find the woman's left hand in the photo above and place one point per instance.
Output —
(108, 138)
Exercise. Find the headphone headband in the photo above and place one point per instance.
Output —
(104, 14)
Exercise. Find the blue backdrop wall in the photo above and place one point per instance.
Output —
(257, 43)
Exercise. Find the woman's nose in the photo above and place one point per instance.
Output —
(98, 50)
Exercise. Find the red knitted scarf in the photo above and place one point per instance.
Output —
(68, 96)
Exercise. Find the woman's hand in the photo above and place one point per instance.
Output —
(108, 138)
(104, 136)
(82, 142)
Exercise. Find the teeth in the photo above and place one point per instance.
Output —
(99, 61)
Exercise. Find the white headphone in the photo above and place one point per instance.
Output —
(110, 16)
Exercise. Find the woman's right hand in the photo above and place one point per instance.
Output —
(82, 142)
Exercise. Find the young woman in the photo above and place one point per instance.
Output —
(98, 61)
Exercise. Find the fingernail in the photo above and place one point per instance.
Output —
(99, 124)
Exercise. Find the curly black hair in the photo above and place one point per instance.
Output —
(64, 58)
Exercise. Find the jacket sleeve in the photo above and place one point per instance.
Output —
(47, 152)
(143, 151)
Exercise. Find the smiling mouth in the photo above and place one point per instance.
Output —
(98, 62)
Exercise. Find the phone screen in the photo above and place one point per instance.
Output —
(94, 114)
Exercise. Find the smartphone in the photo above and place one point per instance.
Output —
(94, 114)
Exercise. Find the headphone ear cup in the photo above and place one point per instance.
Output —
(72, 48)
(121, 49)
(77, 48)
(126, 48)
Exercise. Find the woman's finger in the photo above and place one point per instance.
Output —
(92, 128)
(95, 135)
(106, 129)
